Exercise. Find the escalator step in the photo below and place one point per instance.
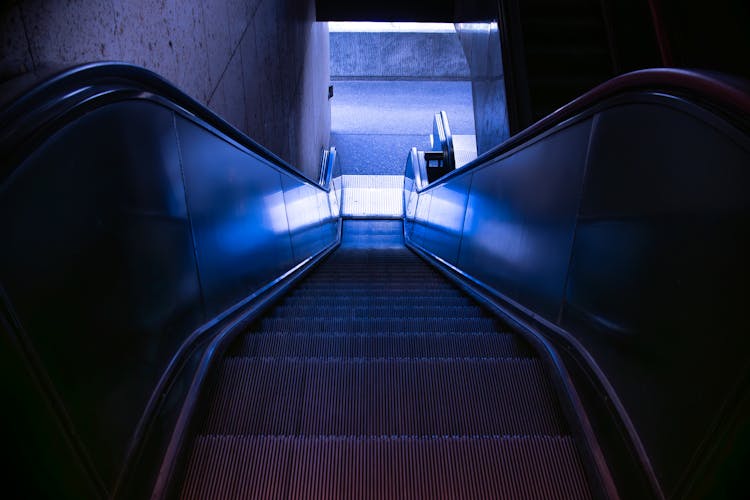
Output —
(415, 300)
(366, 397)
(496, 345)
(515, 467)
(374, 275)
(375, 325)
(403, 287)
(389, 311)
(428, 294)
(379, 273)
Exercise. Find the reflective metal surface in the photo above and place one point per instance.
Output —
(658, 277)
(127, 227)
(516, 227)
(238, 215)
(421, 222)
(311, 225)
(521, 216)
(98, 264)
(446, 218)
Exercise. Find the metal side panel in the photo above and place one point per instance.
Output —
(660, 266)
(311, 226)
(97, 261)
(236, 203)
(444, 225)
(521, 218)
(421, 218)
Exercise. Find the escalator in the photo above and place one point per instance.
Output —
(182, 314)
(377, 377)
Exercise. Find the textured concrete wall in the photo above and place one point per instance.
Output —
(481, 43)
(397, 55)
(260, 64)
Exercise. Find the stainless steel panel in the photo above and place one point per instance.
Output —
(239, 220)
(334, 205)
(410, 207)
(337, 186)
(324, 207)
(658, 278)
(410, 195)
(309, 218)
(442, 234)
(421, 218)
(329, 221)
(97, 259)
(521, 218)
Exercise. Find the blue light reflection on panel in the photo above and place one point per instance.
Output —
(236, 204)
(334, 207)
(446, 218)
(336, 186)
(324, 207)
(421, 217)
(410, 196)
(301, 204)
(308, 213)
(237, 236)
(521, 217)
(330, 221)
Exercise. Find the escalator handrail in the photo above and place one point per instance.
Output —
(66, 94)
(728, 93)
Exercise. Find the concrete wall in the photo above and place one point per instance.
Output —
(397, 55)
(481, 44)
(260, 64)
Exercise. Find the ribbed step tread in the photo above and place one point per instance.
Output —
(386, 311)
(393, 287)
(415, 300)
(373, 275)
(393, 264)
(374, 325)
(428, 294)
(497, 345)
(383, 397)
(376, 271)
(384, 467)
(347, 271)
(374, 285)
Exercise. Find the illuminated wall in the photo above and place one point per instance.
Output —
(260, 64)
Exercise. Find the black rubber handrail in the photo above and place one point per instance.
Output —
(727, 93)
(73, 91)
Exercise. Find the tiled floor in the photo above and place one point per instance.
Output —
(375, 123)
